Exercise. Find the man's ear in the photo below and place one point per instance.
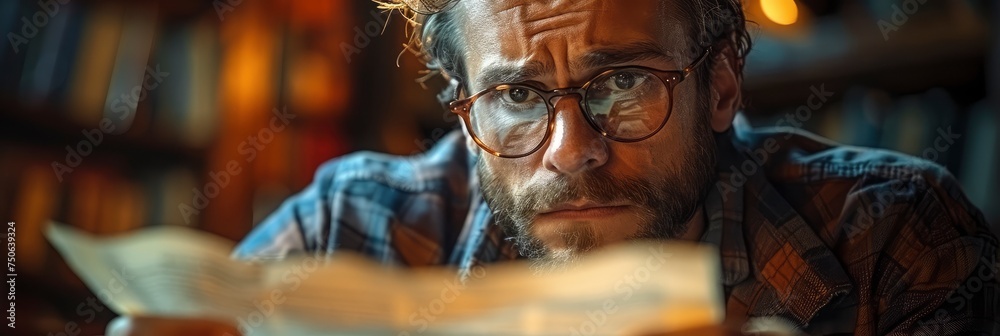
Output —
(725, 90)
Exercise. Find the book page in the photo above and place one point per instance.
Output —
(632, 289)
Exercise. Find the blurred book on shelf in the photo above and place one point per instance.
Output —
(982, 161)
(95, 63)
(184, 105)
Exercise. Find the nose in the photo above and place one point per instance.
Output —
(574, 146)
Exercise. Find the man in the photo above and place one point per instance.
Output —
(588, 123)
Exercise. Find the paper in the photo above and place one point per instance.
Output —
(175, 271)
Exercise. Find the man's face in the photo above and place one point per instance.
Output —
(580, 190)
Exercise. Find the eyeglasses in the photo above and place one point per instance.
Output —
(625, 104)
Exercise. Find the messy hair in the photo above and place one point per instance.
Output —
(719, 24)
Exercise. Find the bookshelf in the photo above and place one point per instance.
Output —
(119, 114)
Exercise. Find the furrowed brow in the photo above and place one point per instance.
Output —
(639, 51)
(505, 73)
(599, 58)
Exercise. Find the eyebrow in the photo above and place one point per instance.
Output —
(498, 74)
(599, 58)
(633, 52)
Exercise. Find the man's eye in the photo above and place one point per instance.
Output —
(624, 81)
(516, 95)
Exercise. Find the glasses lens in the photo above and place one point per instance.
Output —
(628, 104)
(510, 120)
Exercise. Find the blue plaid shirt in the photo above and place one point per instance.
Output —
(836, 239)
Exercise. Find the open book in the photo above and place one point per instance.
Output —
(635, 289)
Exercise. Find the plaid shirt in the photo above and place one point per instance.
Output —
(836, 239)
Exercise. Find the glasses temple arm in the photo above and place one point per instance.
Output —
(688, 70)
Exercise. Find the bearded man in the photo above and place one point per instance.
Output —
(587, 123)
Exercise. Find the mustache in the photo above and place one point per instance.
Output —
(596, 186)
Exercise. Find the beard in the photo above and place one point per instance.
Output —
(667, 198)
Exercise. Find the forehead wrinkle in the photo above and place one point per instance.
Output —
(547, 19)
(533, 11)
(512, 4)
(537, 21)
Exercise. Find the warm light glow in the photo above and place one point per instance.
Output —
(783, 12)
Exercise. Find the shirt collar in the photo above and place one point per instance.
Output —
(725, 230)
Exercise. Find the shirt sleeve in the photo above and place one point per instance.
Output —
(285, 231)
(950, 284)
(971, 303)
(393, 209)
